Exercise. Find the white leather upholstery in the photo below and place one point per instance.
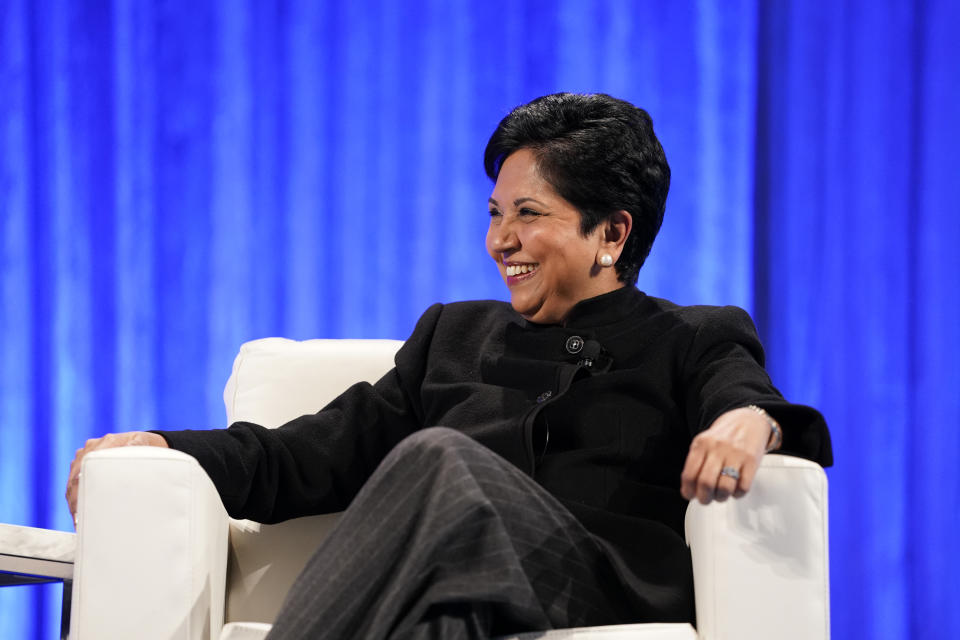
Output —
(661, 631)
(653, 631)
(151, 548)
(245, 631)
(265, 559)
(275, 380)
(760, 563)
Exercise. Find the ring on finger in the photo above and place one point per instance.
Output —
(730, 472)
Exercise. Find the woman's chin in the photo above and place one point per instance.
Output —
(524, 307)
(536, 313)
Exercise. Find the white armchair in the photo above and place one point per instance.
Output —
(157, 556)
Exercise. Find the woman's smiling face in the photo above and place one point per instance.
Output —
(534, 237)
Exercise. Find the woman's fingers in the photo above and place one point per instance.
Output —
(691, 470)
(747, 474)
(130, 438)
(701, 477)
(707, 480)
(723, 460)
(73, 480)
(727, 483)
(721, 475)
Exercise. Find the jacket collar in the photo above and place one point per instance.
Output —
(605, 309)
(599, 319)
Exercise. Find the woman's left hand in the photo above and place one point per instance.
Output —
(736, 442)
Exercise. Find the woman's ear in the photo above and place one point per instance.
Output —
(616, 229)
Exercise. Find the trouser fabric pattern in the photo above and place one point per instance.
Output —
(448, 540)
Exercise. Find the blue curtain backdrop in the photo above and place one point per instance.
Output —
(178, 177)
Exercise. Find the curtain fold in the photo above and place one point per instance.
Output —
(177, 178)
(857, 264)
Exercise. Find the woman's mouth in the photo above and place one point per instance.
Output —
(519, 272)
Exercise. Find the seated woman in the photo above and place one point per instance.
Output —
(525, 466)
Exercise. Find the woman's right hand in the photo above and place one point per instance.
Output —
(109, 441)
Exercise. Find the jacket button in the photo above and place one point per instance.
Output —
(574, 344)
(543, 397)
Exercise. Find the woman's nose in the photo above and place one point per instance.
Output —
(504, 237)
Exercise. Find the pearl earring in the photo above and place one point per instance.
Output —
(606, 260)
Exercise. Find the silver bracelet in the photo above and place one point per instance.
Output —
(776, 433)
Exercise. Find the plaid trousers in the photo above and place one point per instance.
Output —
(449, 540)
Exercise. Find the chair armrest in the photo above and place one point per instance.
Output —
(760, 562)
(151, 548)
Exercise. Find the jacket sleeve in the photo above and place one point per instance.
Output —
(316, 463)
(723, 370)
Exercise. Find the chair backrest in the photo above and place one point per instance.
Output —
(275, 380)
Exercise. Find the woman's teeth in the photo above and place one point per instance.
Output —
(519, 269)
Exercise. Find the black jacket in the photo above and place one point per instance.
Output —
(600, 412)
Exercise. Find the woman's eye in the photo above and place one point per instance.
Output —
(529, 212)
(494, 213)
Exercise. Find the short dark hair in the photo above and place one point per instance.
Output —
(601, 155)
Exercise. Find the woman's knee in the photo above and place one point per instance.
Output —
(433, 442)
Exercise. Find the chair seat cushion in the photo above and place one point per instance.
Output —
(258, 631)
(651, 631)
(245, 631)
